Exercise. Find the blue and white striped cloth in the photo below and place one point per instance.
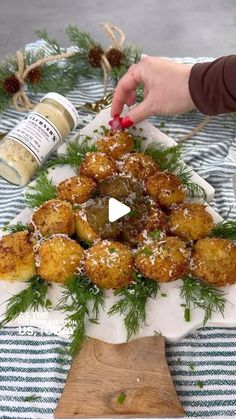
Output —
(203, 365)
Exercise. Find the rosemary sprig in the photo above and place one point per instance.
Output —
(133, 302)
(198, 294)
(43, 190)
(74, 154)
(32, 297)
(225, 229)
(80, 300)
(14, 228)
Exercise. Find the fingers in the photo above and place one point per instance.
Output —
(138, 113)
(125, 91)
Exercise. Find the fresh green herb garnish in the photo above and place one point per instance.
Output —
(146, 251)
(43, 190)
(192, 367)
(198, 294)
(80, 299)
(121, 398)
(112, 249)
(33, 297)
(32, 398)
(14, 228)
(200, 384)
(133, 302)
(162, 124)
(155, 234)
(225, 230)
(163, 294)
(157, 333)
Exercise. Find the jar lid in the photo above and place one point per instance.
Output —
(67, 105)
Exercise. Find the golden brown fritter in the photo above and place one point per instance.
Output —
(157, 222)
(98, 166)
(53, 217)
(166, 188)
(17, 256)
(191, 221)
(59, 258)
(109, 264)
(77, 189)
(83, 230)
(139, 166)
(120, 187)
(214, 261)
(135, 222)
(164, 260)
(115, 144)
(97, 216)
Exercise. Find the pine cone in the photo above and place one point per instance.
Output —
(95, 55)
(11, 85)
(114, 57)
(34, 76)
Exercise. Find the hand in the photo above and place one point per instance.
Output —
(166, 90)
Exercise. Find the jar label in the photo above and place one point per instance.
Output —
(37, 134)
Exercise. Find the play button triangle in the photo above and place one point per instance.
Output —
(116, 209)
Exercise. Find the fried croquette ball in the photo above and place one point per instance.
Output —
(17, 256)
(83, 230)
(120, 187)
(53, 217)
(98, 166)
(115, 144)
(59, 258)
(134, 222)
(139, 166)
(166, 188)
(98, 218)
(164, 260)
(77, 189)
(156, 225)
(214, 261)
(191, 221)
(109, 264)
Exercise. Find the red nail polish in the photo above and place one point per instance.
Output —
(126, 122)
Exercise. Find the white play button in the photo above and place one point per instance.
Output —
(116, 209)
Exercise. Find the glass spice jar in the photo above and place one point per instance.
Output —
(34, 138)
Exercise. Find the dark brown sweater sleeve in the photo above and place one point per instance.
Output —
(212, 86)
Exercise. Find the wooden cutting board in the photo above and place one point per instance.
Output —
(126, 380)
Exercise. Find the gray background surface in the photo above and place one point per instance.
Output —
(162, 27)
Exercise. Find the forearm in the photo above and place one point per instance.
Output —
(212, 86)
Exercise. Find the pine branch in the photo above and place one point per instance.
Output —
(197, 294)
(14, 228)
(75, 153)
(43, 190)
(33, 297)
(80, 299)
(82, 39)
(51, 43)
(225, 230)
(133, 303)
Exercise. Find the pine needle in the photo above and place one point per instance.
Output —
(43, 190)
(197, 294)
(33, 297)
(82, 39)
(14, 228)
(133, 303)
(225, 230)
(75, 153)
(80, 300)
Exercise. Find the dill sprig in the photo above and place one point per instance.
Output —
(133, 302)
(14, 228)
(80, 300)
(74, 154)
(43, 190)
(197, 294)
(225, 230)
(32, 297)
(170, 159)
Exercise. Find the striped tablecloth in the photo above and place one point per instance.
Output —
(203, 365)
